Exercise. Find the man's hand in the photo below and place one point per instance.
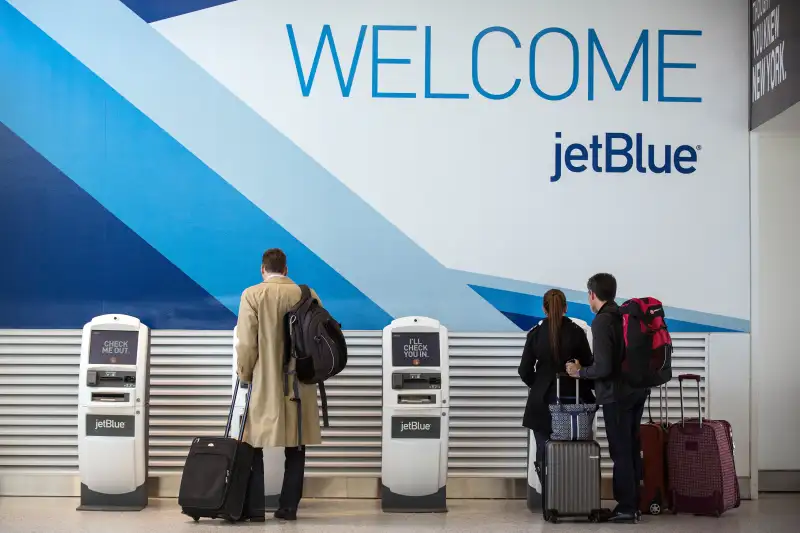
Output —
(573, 367)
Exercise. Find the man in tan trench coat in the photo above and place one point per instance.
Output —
(272, 418)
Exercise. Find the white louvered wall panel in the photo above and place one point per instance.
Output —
(488, 400)
(190, 395)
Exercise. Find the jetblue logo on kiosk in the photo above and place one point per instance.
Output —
(414, 425)
(110, 425)
(621, 153)
(417, 427)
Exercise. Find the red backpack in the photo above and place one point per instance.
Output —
(648, 345)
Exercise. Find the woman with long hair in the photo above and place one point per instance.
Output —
(549, 346)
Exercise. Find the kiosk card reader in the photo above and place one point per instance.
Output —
(534, 492)
(113, 403)
(273, 457)
(416, 404)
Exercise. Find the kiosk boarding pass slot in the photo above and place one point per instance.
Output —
(416, 381)
(117, 379)
(111, 397)
(416, 399)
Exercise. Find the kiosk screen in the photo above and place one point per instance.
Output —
(111, 347)
(415, 349)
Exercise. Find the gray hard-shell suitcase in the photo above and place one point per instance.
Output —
(571, 480)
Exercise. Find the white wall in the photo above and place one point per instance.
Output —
(775, 298)
(728, 390)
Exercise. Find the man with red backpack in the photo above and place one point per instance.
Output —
(622, 403)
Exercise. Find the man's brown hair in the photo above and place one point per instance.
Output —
(274, 261)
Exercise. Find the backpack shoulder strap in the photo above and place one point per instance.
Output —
(305, 292)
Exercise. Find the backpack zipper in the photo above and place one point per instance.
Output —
(333, 359)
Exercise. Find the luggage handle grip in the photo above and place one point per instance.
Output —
(663, 405)
(693, 377)
(560, 375)
(233, 404)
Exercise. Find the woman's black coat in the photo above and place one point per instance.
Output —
(538, 370)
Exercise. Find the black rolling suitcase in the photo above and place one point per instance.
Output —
(217, 472)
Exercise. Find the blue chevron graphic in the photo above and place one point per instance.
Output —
(522, 303)
(147, 179)
(155, 10)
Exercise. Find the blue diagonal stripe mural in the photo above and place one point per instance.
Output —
(261, 163)
(67, 259)
(147, 179)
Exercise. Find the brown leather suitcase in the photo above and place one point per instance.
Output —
(654, 493)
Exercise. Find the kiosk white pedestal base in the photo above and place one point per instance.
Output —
(534, 492)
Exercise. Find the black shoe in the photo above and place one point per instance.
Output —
(253, 515)
(286, 514)
(622, 517)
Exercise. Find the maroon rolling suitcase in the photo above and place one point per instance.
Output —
(702, 473)
(654, 495)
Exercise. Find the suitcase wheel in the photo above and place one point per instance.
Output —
(195, 518)
(655, 509)
(551, 516)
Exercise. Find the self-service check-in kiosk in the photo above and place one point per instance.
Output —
(416, 403)
(534, 493)
(113, 398)
(274, 458)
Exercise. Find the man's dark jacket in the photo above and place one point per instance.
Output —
(608, 347)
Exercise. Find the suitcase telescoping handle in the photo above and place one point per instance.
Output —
(663, 405)
(233, 404)
(692, 377)
(558, 388)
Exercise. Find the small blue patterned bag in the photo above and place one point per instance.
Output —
(572, 421)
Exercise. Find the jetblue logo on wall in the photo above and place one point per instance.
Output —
(110, 425)
(417, 427)
(620, 153)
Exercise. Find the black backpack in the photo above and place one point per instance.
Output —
(316, 343)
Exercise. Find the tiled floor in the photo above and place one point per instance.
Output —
(771, 514)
